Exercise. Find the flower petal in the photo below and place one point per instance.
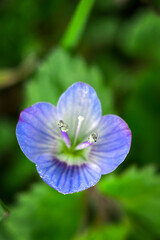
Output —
(37, 130)
(67, 178)
(79, 100)
(113, 143)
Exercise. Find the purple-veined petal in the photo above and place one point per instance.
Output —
(79, 100)
(113, 143)
(67, 178)
(37, 130)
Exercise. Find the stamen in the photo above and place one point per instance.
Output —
(64, 128)
(83, 145)
(91, 140)
(80, 120)
(66, 138)
(60, 123)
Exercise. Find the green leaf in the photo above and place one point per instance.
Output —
(43, 214)
(110, 232)
(58, 72)
(139, 193)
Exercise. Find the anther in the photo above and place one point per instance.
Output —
(92, 138)
(63, 126)
(60, 123)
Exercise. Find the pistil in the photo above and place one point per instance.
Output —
(80, 120)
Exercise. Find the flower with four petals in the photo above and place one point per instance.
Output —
(72, 144)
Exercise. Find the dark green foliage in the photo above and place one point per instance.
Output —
(17, 169)
(139, 37)
(3, 210)
(26, 27)
(106, 28)
(111, 232)
(142, 113)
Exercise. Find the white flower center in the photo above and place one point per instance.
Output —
(64, 128)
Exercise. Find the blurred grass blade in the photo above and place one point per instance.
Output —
(77, 24)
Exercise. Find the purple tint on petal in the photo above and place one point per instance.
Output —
(80, 100)
(67, 178)
(113, 143)
(83, 145)
(66, 138)
(37, 130)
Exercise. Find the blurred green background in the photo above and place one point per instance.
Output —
(114, 45)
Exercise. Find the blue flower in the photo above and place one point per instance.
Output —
(72, 145)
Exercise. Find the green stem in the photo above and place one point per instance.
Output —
(77, 24)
